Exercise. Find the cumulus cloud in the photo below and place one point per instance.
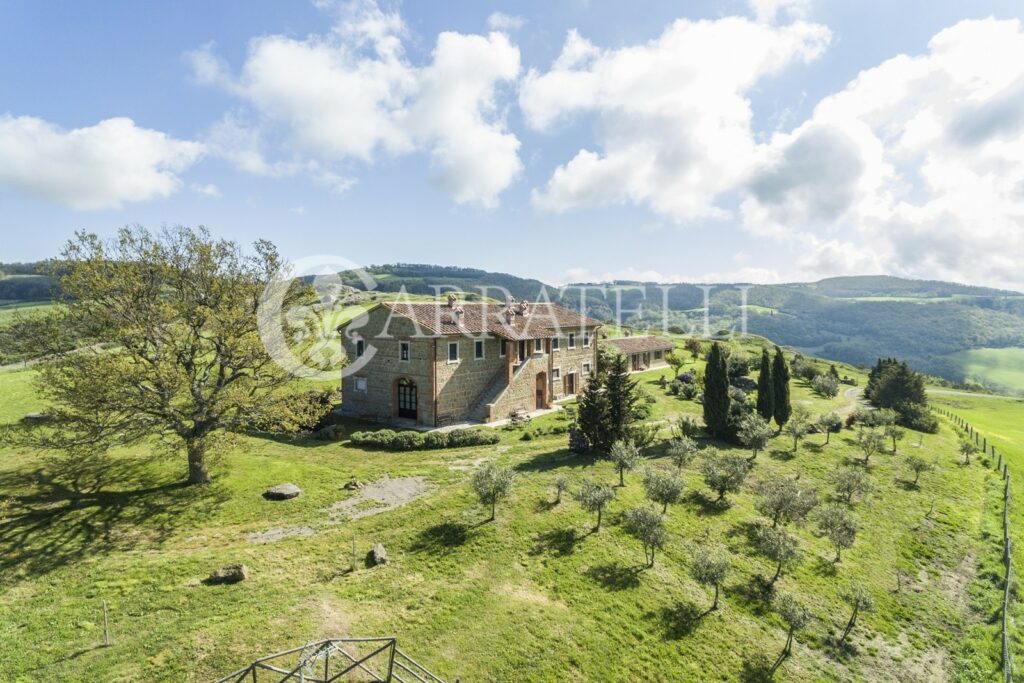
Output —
(353, 94)
(673, 117)
(95, 167)
(918, 163)
(770, 10)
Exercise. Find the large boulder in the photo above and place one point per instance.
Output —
(232, 573)
(282, 492)
(378, 555)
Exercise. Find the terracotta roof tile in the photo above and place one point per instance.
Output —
(538, 320)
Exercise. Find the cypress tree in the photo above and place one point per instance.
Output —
(621, 394)
(592, 415)
(765, 390)
(716, 392)
(780, 385)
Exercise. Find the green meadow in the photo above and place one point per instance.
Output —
(536, 595)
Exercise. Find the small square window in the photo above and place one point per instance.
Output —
(586, 340)
(554, 343)
(453, 352)
(478, 349)
(657, 355)
(501, 348)
(360, 348)
(403, 351)
(538, 345)
(572, 340)
(556, 374)
(586, 370)
(361, 384)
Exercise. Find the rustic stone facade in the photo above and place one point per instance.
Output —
(401, 358)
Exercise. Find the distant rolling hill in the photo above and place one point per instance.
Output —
(960, 332)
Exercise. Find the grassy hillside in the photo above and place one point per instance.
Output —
(1001, 369)
(533, 596)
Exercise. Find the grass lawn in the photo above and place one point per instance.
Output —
(10, 309)
(996, 368)
(533, 596)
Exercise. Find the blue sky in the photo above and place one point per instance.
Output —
(775, 140)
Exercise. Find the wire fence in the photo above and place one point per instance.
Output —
(1004, 471)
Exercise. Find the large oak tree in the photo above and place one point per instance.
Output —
(169, 347)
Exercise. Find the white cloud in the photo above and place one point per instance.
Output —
(207, 190)
(499, 21)
(674, 121)
(96, 167)
(354, 95)
(917, 166)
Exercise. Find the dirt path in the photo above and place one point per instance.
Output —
(953, 392)
(853, 398)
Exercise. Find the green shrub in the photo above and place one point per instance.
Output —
(436, 440)
(411, 441)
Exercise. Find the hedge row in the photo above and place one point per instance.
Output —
(413, 441)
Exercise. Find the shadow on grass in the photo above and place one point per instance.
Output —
(557, 542)
(615, 577)
(757, 669)
(563, 457)
(812, 447)
(825, 567)
(680, 620)
(781, 455)
(754, 595)
(907, 485)
(441, 538)
(545, 505)
(86, 506)
(705, 504)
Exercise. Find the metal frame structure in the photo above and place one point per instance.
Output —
(311, 663)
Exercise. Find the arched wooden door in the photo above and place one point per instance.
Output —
(407, 399)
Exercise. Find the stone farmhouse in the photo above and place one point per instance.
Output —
(643, 353)
(434, 364)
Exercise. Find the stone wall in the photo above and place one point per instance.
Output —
(568, 361)
(381, 367)
(461, 384)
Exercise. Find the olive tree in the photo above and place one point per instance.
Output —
(850, 483)
(871, 441)
(830, 423)
(918, 466)
(784, 500)
(681, 451)
(723, 473)
(755, 433)
(663, 488)
(709, 567)
(171, 351)
(837, 525)
(967, 449)
(647, 526)
(626, 456)
(799, 425)
(859, 600)
(796, 617)
(561, 486)
(779, 547)
(492, 483)
(895, 433)
(594, 497)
